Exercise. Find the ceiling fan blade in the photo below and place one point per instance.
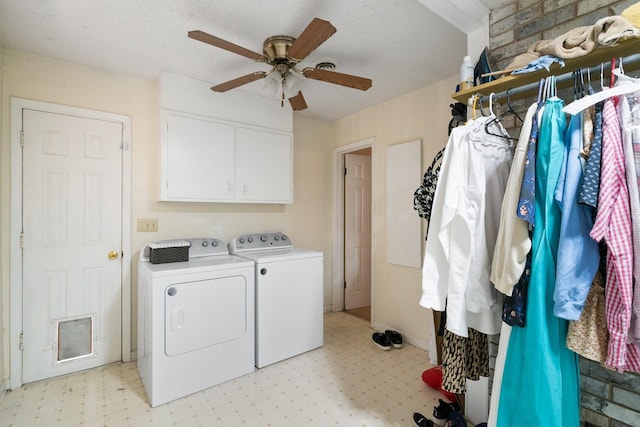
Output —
(316, 33)
(223, 44)
(232, 84)
(297, 102)
(355, 82)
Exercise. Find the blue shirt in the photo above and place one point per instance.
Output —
(578, 255)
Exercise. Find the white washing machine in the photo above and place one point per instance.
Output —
(289, 295)
(196, 324)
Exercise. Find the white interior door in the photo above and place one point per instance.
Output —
(357, 220)
(72, 234)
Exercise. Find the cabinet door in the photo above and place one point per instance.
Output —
(264, 166)
(199, 160)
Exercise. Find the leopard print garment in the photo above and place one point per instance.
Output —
(463, 358)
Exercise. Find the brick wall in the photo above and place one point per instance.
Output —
(609, 399)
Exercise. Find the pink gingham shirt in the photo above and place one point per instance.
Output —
(613, 224)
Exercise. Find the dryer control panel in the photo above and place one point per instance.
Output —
(260, 242)
(206, 246)
(198, 247)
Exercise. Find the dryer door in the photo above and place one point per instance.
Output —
(204, 313)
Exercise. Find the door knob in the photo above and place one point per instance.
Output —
(113, 255)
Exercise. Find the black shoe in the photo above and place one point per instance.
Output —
(421, 421)
(443, 410)
(381, 340)
(394, 337)
(455, 419)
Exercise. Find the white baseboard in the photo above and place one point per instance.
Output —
(3, 389)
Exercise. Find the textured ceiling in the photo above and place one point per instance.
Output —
(402, 45)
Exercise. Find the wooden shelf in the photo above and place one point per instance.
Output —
(598, 56)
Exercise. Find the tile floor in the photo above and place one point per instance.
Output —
(347, 382)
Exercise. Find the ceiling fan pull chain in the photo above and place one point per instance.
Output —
(284, 80)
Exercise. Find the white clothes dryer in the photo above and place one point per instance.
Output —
(289, 295)
(196, 325)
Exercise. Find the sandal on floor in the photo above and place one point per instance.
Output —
(421, 421)
(395, 337)
(381, 340)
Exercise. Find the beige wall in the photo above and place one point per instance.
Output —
(423, 114)
(43, 79)
(309, 220)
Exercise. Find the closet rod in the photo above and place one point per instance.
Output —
(563, 79)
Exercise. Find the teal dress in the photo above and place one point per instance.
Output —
(540, 385)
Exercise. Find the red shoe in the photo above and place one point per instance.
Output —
(433, 377)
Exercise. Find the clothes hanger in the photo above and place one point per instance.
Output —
(612, 76)
(622, 89)
(495, 121)
(476, 98)
(545, 92)
(510, 109)
(578, 84)
(484, 114)
(540, 90)
(552, 90)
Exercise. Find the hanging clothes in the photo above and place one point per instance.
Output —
(590, 187)
(513, 242)
(498, 373)
(589, 336)
(578, 254)
(423, 196)
(462, 359)
(631, 174)
(463, 229)
(510, 268)
(634, 104)
(613, 225)
(538, 363)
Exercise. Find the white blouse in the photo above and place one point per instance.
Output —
(463, 229)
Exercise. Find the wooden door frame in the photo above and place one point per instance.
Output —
(338, 222)
(15, 298)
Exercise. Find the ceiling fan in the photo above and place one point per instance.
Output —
(283, 53)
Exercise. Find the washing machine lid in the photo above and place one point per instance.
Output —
(279, 255)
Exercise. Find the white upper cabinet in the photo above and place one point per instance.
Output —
(199, 160)
(207, 160)
(231, 147)
(264, 168)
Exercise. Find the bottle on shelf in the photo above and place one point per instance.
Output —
(466, 73)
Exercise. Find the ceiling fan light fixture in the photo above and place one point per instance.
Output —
(291, 84)
(272, 83)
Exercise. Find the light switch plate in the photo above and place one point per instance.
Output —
(147, 225)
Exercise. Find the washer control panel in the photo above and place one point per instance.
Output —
(260, 241)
